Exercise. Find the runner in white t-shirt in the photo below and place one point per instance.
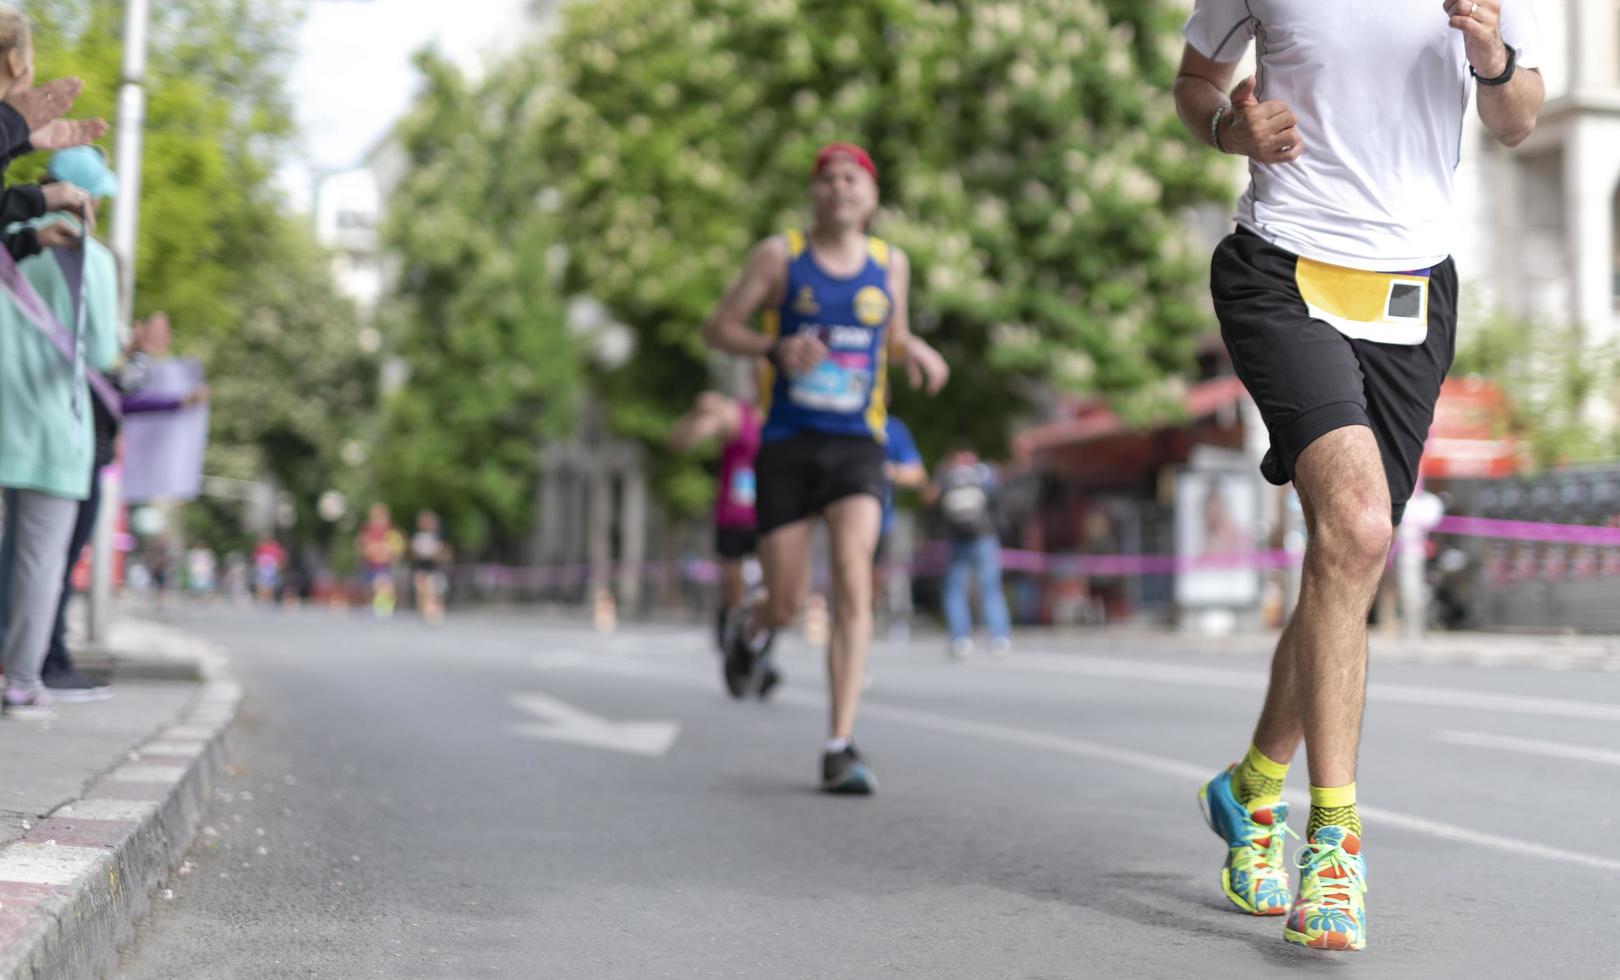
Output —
(1337, 301)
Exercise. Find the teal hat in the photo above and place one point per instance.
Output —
(85, 168)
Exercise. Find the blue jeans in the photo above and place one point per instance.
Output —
(976, 558)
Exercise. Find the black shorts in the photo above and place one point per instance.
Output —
(1308, 378)
(800, 475)
(735, 543)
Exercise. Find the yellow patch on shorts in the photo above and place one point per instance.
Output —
(1384, 307)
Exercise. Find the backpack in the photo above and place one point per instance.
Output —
(964, 502)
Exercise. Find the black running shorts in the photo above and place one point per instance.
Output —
(735, 543)
(1364, 349)
(800, 475)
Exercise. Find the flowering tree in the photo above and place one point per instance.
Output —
(1032, 166)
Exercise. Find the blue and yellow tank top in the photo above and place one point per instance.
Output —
(845, 393)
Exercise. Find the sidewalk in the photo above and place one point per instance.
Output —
(98, 803)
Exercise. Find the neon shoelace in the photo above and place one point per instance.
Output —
(1331, 892)
(1267, 856)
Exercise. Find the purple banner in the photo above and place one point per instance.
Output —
(163, 451)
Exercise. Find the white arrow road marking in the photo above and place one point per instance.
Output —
(562, 722)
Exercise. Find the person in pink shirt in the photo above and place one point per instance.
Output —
(734, 423)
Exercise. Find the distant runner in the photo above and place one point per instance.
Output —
(835, 310)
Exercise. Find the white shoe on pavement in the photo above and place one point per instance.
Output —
(35, 704)
(961, 648)
(1001, 648)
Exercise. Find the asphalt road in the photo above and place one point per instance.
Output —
(466, 802)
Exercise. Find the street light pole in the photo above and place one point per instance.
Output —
(131, 120)
(126, 214)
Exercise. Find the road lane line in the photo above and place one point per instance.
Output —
(1195, 676)
(1104, 752)
(1532, 746)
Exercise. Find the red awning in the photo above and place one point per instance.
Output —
(1470, 437)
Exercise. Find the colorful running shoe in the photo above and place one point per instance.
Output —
(1331, 909)
(1255, 876)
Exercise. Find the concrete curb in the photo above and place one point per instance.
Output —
(73, 887)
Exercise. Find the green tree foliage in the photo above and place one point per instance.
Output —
(247, 289)
(291, 390)
(216, 117)
(1552, 377)
(1032, 166)
(476, 317)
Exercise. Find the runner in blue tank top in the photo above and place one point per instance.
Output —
(834, 308)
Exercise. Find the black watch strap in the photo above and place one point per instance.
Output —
(1507, 73)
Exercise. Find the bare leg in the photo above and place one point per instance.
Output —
(852, 525)
(784, 557)
(731, 583)
(1282, 721)
(1342, 475)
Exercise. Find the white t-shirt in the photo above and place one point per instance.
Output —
(1380, 90)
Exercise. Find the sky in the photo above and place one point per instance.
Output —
(353, 77)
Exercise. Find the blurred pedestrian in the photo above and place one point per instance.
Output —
(30, 119)
(201, 567)
(966, 493)
(86, 168)
(234, 580)
(1338, 303)
(269, 562)
(47, 430)
(903, 469)
(428, 556)
(380, 545)
(734, 423)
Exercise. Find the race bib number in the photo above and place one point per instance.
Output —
(1383, 307)
(743, 487)
(840, 383)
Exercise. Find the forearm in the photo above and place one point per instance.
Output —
(21, 202)
(688, 432)
(725, 334)
(900, 340)
(22, 243)
(1197, 99)
(14, 135)
(1509, 111)
(909, 476)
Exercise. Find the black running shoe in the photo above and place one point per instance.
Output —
(71, 687)
(769, 676)
(846, 773)
(746, 663)
(741, 667)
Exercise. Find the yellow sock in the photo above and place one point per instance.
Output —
(1258, 779)
(1333, 806)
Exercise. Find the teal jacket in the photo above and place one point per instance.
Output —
(44, 445)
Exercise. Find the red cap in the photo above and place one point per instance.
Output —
(859, 156)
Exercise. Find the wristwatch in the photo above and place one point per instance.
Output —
(1507, 73)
